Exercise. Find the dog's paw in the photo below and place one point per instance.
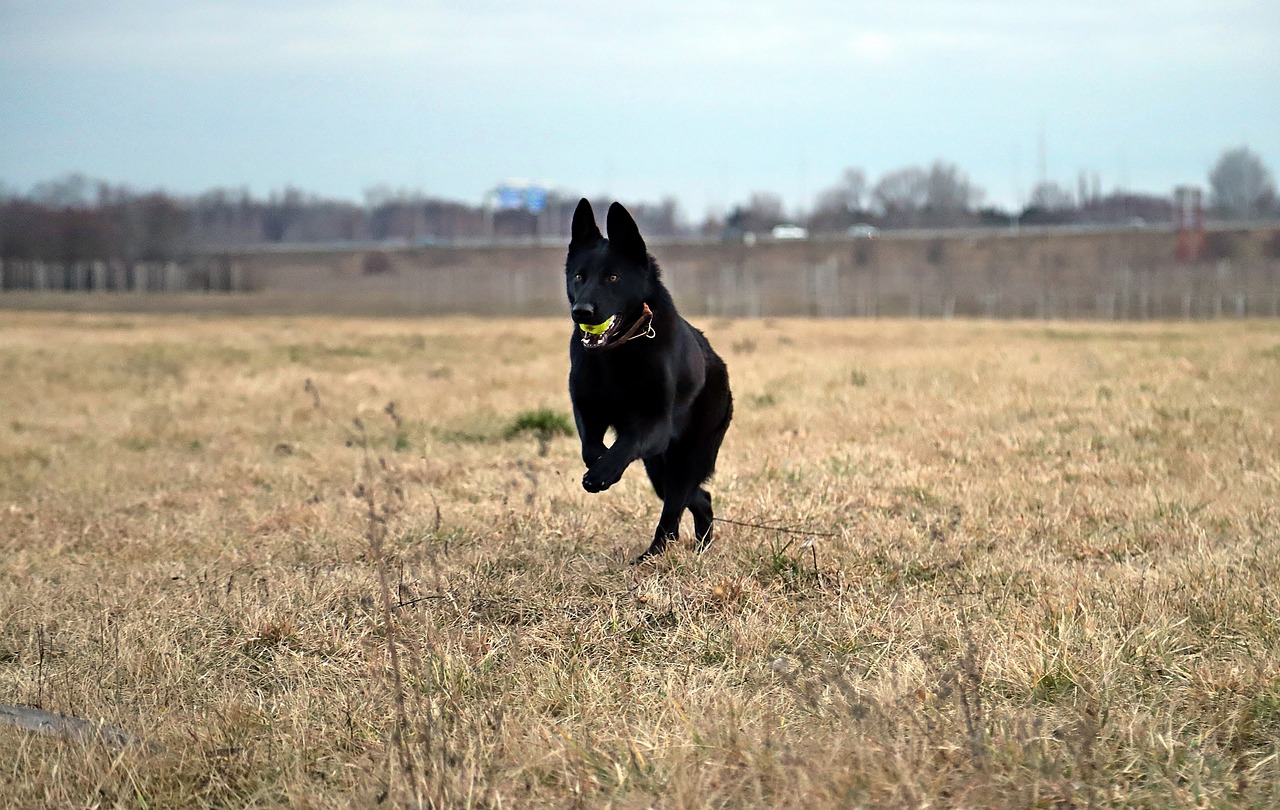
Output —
(592, 482)
(656, 548)
(648, 554)
(599, 478)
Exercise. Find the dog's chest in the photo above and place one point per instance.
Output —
(621, 394)
(616, 384)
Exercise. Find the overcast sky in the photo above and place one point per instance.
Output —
(707, 101)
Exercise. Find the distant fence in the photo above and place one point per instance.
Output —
(1223, 289)
(1097, 274)
(203, 274)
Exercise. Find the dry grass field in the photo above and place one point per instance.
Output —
(1042, 570)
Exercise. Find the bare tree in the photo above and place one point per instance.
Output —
(841, 205)
(161, 227)
(282, 212)
(1241, 184)
(72, 190)
(950, 197)
(760, 214)
(900, 195)
(766, 205)
(660, 219)
(1051, 197)
(1050, 204)
(850, 191)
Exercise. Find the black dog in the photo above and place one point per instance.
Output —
(640, 368)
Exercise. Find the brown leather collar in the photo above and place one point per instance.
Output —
(643, 327)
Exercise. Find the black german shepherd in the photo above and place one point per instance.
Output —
(640, 368)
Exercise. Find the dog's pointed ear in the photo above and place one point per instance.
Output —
(584, 232)
(624, 236)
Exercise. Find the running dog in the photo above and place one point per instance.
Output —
(638, 367)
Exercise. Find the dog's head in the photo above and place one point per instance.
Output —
(607, 280)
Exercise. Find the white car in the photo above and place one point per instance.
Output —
(790, 232)
(863, 231)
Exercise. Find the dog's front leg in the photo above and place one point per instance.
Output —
(591, 433)
(638, 441)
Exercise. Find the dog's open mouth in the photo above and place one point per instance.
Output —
(598, 335)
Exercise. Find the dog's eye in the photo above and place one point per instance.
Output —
(613, 276)
(578, 277)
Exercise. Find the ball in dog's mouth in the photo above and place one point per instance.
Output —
(597, 335)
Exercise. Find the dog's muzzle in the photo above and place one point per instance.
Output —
(597, 336)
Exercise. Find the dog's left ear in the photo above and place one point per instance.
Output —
(624, 236)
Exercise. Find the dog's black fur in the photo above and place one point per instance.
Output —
(664, 390)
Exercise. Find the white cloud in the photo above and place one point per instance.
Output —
(666, 34)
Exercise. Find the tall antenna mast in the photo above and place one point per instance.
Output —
(1043, 155)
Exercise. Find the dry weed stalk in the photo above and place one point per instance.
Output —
(383, 497)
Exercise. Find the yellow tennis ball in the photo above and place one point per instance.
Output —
(597, 329)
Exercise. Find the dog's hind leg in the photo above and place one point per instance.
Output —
(676, 492)
(668, 528)
(700, 507)
(657, 470)
(656, 467)
(715, 411)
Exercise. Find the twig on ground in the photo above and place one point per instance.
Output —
(782, 529)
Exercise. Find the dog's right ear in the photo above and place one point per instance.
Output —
(584, 232)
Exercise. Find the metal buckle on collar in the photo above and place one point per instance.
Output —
(634, 332)
(647, 318)
(645, 321)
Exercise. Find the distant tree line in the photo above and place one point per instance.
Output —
(941, 195)
(70, 221)
(74, 219)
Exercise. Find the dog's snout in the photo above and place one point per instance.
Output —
(584, 312)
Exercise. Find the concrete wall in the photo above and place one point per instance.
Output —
(993, 273)
(1091, 274)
